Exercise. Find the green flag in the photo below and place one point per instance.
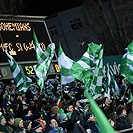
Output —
(87, 68)
(111, 82)
(126, 67)
(44, 59)
(101, 119)
(22, 82)
(65, 63)
(98, 72)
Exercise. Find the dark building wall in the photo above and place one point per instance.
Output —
(104, 22)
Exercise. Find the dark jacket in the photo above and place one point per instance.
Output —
(92, 126)
(19, 130)
(73, 126)
(3, 129)
(122, 123)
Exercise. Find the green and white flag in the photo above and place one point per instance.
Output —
(21, 80)
(44, 59)
(86, 68)
(111, 83)
(98, 73)
(126, 67)
(65, 63)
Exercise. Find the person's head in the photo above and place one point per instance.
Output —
(63, 117)
(106, 101)
(54, 109)
(53, 123)
(2, 120)
(36, 126)
(18, 122)
(27, 124)
(89, 117)
(10, 118)
(121, 110)
(70, 108)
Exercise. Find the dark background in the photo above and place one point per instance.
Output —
(48, 7)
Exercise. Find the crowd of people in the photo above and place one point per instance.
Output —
(62, 108)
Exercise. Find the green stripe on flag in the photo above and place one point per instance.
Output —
(44, 59)
(65, 63)
(126, 67)
(22, 81)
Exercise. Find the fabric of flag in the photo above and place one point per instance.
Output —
(98, 73)
(126, 67)
(21, 80)
(44, 59)
(111, 83)
(101, 119)
(88, 68)
(65, 63)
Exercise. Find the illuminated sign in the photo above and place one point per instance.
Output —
(5, 72)
(17, 38)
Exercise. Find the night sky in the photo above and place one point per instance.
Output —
(48, 7)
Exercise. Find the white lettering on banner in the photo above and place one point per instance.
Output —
(115, 68)
(4, 72)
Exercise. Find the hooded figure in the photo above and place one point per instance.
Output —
(18, 123)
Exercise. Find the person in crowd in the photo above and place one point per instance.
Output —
(10, 121)
(109, 108)
(41, 120)
(90, 124)
(36, 127)
(27, 125)
(3, 128)
(55, 128)
(121, 121)
(63, 121)
(19, 126)
(129, 109)
(75, 122)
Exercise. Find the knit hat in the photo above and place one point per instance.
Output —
(35, 125)
(17, 121)
(60, 111)
(62, 116)
(1, 117)
(26, 123)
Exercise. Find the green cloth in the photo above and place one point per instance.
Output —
(3, 129)
(126, 67)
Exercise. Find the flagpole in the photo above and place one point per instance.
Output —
(2, 41)
(50, 38)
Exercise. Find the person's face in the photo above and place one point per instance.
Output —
(21, 125)
(3, 121)
(54, 123)
(107, 101)
(124, 112)
(70, 108)
(11, 121)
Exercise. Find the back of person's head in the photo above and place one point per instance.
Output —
(120, 109)
(35, 125)
(27, 123)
